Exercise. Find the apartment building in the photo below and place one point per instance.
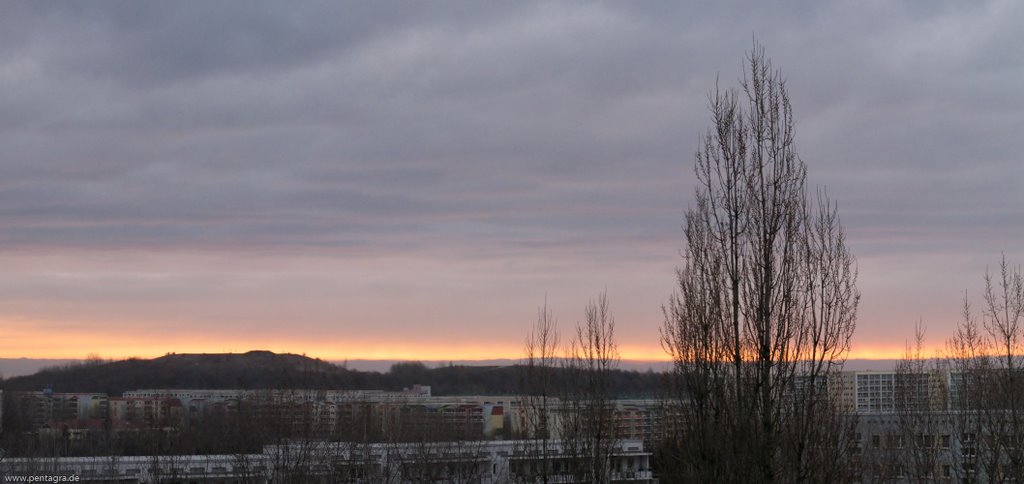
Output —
(46, 409)
(484, 462)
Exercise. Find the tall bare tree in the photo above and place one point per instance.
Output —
(988, 381)
(921, 424)
(766, 303)
(540, 364)
(967, 365)
(588, 412)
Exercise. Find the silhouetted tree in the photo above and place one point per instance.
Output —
(588, 412)
(921, 425)
(987, 380)
(539, 368)
(766, 303)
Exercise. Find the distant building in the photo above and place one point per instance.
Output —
(49, 410)
(484, 462)
(145, 412)
(876, 392)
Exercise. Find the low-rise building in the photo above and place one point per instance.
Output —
(484, 462)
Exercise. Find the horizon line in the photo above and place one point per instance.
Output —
(873, 356)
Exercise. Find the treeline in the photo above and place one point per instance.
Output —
(265, 370)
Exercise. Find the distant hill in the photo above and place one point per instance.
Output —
(264, 369)
(12, 367)
(255, 369)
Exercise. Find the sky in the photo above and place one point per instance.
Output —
(414, 179)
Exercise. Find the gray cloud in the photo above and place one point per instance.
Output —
(440, 99)
(540, 130)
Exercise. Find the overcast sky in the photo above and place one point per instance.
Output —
(376, 179)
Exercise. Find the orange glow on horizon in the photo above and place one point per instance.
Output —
(41, 339)
(877, 353)
(28, 339)
(365, 351)
(80, 345)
